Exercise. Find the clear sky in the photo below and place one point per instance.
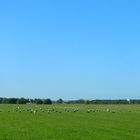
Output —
(70, 49)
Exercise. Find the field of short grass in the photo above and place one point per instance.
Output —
(60, 122)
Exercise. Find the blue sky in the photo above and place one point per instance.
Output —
(70, 49)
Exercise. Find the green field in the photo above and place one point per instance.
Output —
(103, 122)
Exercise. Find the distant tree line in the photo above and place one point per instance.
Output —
(119, 101)
(24, 101)
(61, 101)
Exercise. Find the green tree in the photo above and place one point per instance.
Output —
(59, 101)
(38, 101)
(47, 101)
(22, 101)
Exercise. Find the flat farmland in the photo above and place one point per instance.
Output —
(69, 122)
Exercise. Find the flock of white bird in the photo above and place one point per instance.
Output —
(35, 109)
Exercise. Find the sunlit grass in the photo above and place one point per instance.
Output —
(124, 124)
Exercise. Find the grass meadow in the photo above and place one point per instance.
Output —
(104, 122)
